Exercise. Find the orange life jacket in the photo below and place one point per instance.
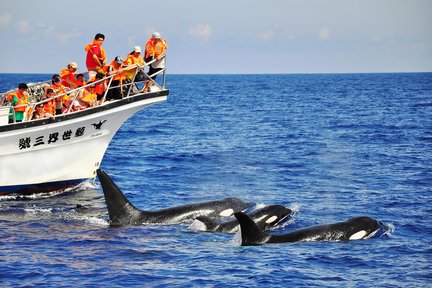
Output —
(155, 49)
(89, 45)
(50, 107)
(80, 83)
(23, 101)
(65, 74)
(131, 60)
(59, 90)
(88, 97)
(100, 88)
(115, 67)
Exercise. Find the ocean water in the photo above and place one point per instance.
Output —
(332, 146)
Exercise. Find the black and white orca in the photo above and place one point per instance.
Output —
(352, 229)
(265, 218)
(122, 212)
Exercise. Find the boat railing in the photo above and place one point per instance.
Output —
(139, 83)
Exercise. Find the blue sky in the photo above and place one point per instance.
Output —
(224, 36)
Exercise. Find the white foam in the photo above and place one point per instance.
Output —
(92, 220)
(237, 239)
(197, 225)
(259, 206)
(95, 221)
(295, 207)
(389, 229)
(34, 211)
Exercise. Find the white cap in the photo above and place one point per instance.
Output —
(73, 65)
(137, 49)
(156, 35)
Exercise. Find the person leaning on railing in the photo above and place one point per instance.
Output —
(50, 106)
(116, 90)
(19, 99)
(80, 80)
(57, 86)
(155, 48)
(100, 86)
(134, 58)
(68, 75)
(87, 97)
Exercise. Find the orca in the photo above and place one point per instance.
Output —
(352, 229)
(122, 212)
(265, 218)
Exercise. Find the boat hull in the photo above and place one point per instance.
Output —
(54, 154)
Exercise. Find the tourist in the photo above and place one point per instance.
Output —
(116, 68)
(100, 87)
(155, 48)
(40, 112)
(80, 80)
(50, 106)
(68, 75)
(19, 99)
(96, 56)
(88, 97)
(59, 89)
(134, 58)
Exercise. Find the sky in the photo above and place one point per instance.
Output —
(224, 36)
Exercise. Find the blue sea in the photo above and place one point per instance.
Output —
(329, 146)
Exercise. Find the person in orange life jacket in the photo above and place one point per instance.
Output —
(135, 74)
(49, 106)
(88, 97)
(100, 87)
(96, 56)
(80, 80)
(40, 112)
(117, 90)
(19, 99)
(155, 48)
(61, 102)
(134, 58)
(68, 75)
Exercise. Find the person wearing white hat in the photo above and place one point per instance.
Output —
(68, 75)
(134, 58)
(155, 48)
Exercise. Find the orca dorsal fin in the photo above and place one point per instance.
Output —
(251, 234)
(121, 211)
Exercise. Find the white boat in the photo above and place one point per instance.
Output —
(53, 154)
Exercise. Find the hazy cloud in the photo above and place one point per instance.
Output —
(23, 26)
(132, 40)
(324, 33)
(266, 35)
(149, 31)
(5, 19)
(269, 33)
(62, 37)
(203, 32)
